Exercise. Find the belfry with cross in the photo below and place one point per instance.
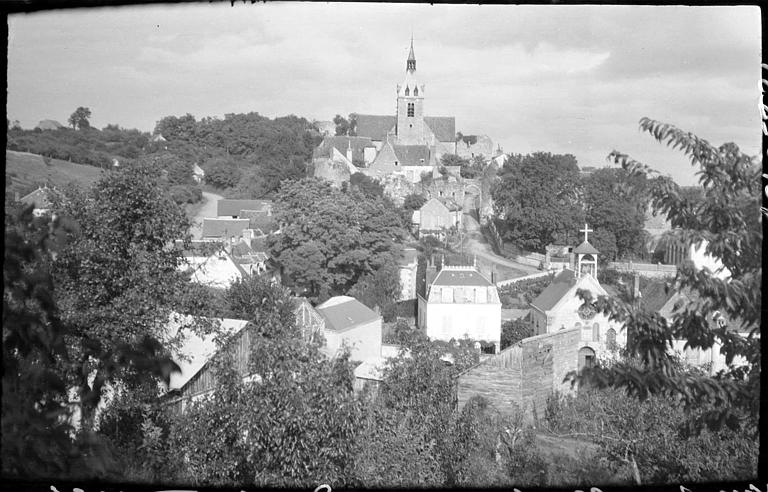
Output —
(586, 256)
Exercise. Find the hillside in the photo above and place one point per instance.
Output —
(24, 172)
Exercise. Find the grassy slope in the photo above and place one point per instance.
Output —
(24, 172)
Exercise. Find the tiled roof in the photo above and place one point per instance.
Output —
(342, 313)
(452, 276)
(224, 227)
(375, 126)
(412, 155)
(653, 296)
(585, 249)
(229, 207)
(555, 291)
(342, 143)
(444, 127)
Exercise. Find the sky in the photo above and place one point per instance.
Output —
(560, 79)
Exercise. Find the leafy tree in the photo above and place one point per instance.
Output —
(728, 220)
(414, 201)
(536, 198)
(329, 237)
(380, 289)
(513, 331)
(605, 242)
(79, 119)
(616, 202)
(342, 125)
(222, 172)
(453, 160)
(369, 187)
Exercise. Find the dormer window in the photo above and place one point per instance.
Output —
(407, 91)
(410, 109)
(396, 163)
(415, 91)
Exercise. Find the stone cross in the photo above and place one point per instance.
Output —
(586, 231)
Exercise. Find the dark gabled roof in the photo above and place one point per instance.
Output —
(450, 203)
(555, 291)
(460, 277)
(38, 198)
(444, 127)
(342, 143)
(229, 207)
(585, 249)
(412, 155)
(346, 314)
(224, 227)
(375, 126)
(654, 296)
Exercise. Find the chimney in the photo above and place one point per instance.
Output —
(349, 150)
(636, 294)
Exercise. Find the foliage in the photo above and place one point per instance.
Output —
(329, 237)
(529, 289)
(222, 172)
(536, 199)
(652, 435)
(414, 201)
(367, 186)
(615, 202)
(513, 331)
(79, 119)
(453, 160)
(728, 219)
(379, 290)
(604, 240)
(346, 126)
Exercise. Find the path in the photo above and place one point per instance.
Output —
(476, 244)
(207, 209)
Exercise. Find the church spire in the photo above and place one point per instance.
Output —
(411, 63)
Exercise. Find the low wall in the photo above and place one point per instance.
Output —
(511, 281)
(645, 269)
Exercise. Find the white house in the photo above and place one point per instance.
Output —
(218, 270)
(198, 173)
(408, 266)
(348, 322)
(461, 303)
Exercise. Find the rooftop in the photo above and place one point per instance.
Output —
(585, 249)
(555, 291)
(343, 312)
(460, 276)
(230, 207)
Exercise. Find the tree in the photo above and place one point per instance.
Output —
(79, 119)
(414, 201)
(342, 125)
(536, 199)
(453, 160)
(513, 331)
(39, 344)
(381, 289)
(616, 202)
(726, 218)
(366, 185)
(329, 237)
(222, 172)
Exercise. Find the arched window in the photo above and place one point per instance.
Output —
(586, 357)
(415, 91)
(610, 339)
(596, 332)
(407, 91)
(410, 110)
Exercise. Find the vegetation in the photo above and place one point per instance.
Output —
(723, 310)
(79, 119)
(25, 173)
(515, 330)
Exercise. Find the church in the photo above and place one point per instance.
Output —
(558, 307)
(408, 144)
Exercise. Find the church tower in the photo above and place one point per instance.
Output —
(410, 106)
(586, 255)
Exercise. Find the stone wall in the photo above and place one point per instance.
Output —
(335, 172)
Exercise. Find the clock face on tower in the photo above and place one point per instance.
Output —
(587, 311)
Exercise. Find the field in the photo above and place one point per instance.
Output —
(24, 172)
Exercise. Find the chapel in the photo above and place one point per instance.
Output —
(559, 307)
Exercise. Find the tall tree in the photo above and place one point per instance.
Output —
(79, 119)
(724, 304)
(536, 199)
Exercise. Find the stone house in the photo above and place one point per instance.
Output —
(223, 229)
(436, 216)
(461, 303)
(408, 266)
(348, 322)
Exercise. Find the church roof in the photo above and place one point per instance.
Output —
(444, 127)
(412, 155)
(342, 143)
(555, 291)
(585, 249)
(375, 126)
(451, 276)
(343, 312)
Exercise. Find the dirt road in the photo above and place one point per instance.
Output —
(475, 243)
(207, 209)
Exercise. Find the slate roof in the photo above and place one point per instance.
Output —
(412, 155)
(586, 249)
(653, 297)
(375, 126)
(49, 125)
(555, 291)
(342, 143)
(222, 227)
(444, 127)
(460, 277)
(343, 312)
(229, 207)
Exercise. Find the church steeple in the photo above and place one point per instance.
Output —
(410, 65)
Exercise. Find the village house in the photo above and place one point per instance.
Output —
(435, 217)
(408, 266)
(461, 303)
(198, 173)
(40, 199)
(212, 267)
(350, 323)
(224, 229)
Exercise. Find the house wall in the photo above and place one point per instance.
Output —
(408, 281)
(435, 216)
(364, 340)
(334, 171)
(483, 146)
(475, 321)
(411, 131)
